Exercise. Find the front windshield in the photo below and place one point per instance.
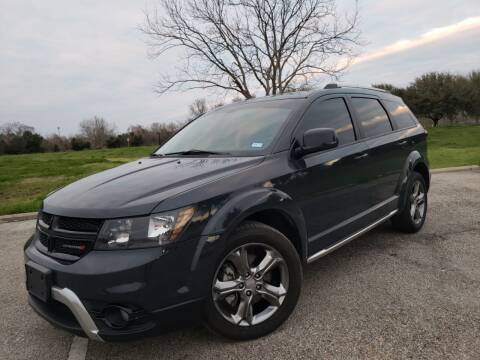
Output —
(239, 128)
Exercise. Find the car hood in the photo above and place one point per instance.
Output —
(136, 188)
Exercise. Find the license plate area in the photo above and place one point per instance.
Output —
(39, 281)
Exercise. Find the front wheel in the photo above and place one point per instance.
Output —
(256, 284)
(412, 217)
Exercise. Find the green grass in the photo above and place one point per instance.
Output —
(454, 146)
(26, 179)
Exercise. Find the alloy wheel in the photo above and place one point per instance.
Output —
(417, 202)
(250, 284)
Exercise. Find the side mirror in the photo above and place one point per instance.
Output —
(315, 140)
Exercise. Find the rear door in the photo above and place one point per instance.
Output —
(384, 161)
(329, 185)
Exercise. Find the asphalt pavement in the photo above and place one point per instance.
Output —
(385, 295)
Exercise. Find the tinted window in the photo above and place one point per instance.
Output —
(234, 128)
(332, 113)
(372, 116)
(401, 115)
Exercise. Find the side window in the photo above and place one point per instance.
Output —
(401, 115)
(372, 116)
(332, 113)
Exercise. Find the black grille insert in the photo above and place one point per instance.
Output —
(66, 238)
(74, 247)
(79, 225)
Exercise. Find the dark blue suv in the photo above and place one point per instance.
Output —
(217, 223)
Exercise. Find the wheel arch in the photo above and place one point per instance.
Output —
(414, 162)
(268, 206)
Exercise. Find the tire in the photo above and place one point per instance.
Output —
(409, 220)
(262, 245)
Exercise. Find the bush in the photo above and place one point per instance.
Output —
(79, 144)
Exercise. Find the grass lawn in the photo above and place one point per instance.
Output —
(454, 146)
(26, 179)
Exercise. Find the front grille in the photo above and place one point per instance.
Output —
(70, 246)
(43, 239)
(80, 225)
(66, 238)
(46, 218)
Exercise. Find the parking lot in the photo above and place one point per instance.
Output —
(385, 295)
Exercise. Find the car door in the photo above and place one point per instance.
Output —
(329, 185)
(384, 161)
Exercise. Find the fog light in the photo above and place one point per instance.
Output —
(117, 317)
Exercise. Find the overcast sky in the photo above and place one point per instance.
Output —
(64, 61)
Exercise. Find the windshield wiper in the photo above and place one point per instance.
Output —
(197, 152)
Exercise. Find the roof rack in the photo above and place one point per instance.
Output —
(336, 86)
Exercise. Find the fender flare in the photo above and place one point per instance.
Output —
(238, 208)
(414, 158)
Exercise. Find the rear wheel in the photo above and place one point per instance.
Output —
(412, 217)
(256, 285)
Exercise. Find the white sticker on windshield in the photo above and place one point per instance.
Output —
(257, 145)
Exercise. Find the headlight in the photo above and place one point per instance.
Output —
(142, 232)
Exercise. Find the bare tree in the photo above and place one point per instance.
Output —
(15, 129)
(96, 130)
(245, 45)
(198, 108)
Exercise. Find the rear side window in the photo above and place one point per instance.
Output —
(401, 115)
(332, 113)
(372, 116)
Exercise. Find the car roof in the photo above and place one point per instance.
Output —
(328, 90)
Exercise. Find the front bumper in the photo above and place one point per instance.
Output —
(67, 297)
(163, 288)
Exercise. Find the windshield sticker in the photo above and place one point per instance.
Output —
(257, 145)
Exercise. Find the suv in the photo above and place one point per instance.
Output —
(216, 224)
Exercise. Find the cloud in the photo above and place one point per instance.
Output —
(431, 36)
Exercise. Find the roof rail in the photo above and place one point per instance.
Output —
(336, 86)
(368, 88)
(331, 86)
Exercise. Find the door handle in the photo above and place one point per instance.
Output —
(403, 142)
(361, 156)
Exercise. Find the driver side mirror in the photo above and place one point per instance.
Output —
(315, 140)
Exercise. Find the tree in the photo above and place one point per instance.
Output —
(15, 129)
(18, 138)
(78, 143)
(163, 131)
(96, 130)
(438, 95)
(197, 109)
(239, 46)
(472, 95)
(435, 96)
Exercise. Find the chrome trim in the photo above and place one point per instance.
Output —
(71, 300)
(354, 218)
(335, 246)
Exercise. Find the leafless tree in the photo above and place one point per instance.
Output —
(163, 131)
(249, 45)
(96, 130)
(15, 129)
(198, 108)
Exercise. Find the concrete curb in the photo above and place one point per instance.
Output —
(17, 217)
(33, 215)
(453, 169)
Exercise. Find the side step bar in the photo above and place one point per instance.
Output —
(335, 246)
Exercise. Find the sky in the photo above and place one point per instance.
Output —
(65, 61)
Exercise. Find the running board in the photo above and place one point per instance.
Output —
(335, 246)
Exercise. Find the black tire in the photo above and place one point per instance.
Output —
(257, 234)
(404, 221)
